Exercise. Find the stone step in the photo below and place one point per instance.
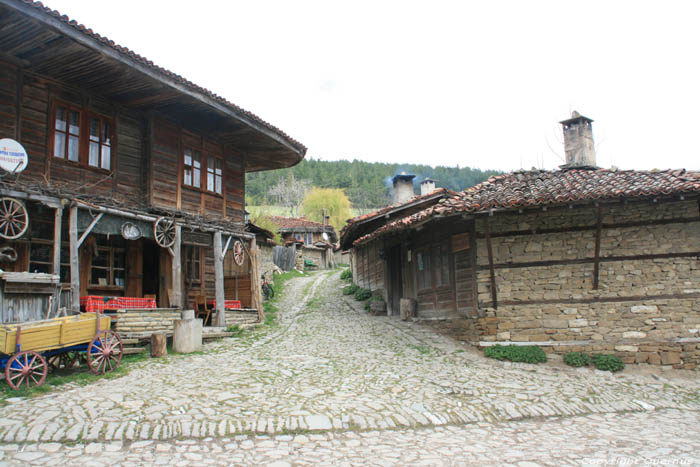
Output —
(216, 335)
(133, 350)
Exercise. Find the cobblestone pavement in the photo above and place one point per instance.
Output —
(332, 383)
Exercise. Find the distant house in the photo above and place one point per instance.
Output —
(581, 258)
(314, 240)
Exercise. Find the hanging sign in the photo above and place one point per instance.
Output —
(13, 157)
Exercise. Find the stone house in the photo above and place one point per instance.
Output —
(582, 258)
(314, 240)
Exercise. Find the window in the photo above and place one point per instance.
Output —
(299, 236)
(67, 134)
(192, 174)
(433, 266)
(308, 238)
(91, 146)
(108, 267)
(193, 264)
(215, 174)
(423, 269)
(100, 152)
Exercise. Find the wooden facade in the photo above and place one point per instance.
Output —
(113, 140)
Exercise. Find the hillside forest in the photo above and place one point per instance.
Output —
(366, 184)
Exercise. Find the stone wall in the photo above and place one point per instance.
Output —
(266, 263)
(143, 323)
(645, 309)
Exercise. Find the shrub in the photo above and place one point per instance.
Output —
(608, 362)
(577, 359)
(350, 289)
(362, 294)
(373, 298)
(346, 275)
(516, 353)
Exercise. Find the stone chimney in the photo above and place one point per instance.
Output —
(403, 187)
(578, 142)
(427, 186)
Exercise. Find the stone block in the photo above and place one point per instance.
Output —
(578, 323)
(670, 358)
(634, 335)
(407, 308)
(187, 336)
(555, 323)
(626, 348)
(503, 336)
(377, 308)
(644, 309)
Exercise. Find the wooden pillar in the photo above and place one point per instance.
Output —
(220, 319)
(74, 261)
(492, 272)
(596, 253)
(255, 290)
(57, 223)
(176, 252)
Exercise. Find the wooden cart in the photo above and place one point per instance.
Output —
(27, 350)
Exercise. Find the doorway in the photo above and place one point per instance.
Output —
(151, 269)
(395, 281)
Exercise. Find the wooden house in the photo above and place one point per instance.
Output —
(582, 258)
(135, 179)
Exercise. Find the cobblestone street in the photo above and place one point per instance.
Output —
(333, 385)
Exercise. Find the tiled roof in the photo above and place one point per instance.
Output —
(166, 73)
(542, 188)
(297, 222)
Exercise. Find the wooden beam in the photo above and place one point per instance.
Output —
(89, 229)
(603, 259)
(74, 261)
(596, 253)
(220, 318)
(573, 301)
(175, 251)
(19, 106)
(489, 249)
(57, 223)
(228, 242)
(255, 289)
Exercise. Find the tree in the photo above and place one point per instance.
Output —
(333, 200)
(264, 221)
(290, 192)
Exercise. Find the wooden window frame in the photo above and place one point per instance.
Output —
(439, 259)
(110, 268)
(101, 144)
(193, 264)
(193, 153)
(204, 171)
(212, 171)
(85, 116)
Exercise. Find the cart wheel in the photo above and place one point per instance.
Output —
(26, 368)
(63, 361)
(104, 352)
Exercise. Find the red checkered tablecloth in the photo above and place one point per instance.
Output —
(228, 304)
(93, 303)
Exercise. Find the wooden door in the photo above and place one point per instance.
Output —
(395, 281)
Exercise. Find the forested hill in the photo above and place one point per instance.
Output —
(367, 184)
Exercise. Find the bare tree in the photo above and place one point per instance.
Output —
(290, 192)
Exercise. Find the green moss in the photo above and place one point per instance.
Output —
(516, 353)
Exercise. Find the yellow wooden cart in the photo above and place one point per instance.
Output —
(27, 350)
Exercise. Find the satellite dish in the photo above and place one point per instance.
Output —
(325, 236)
(13, 156)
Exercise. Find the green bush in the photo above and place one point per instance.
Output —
(346, 275)
(577, 359)
(362, 294)
(608, 362)
(350, 289)
(373, 298)
(516, 353)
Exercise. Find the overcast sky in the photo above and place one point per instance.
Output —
(480, 84)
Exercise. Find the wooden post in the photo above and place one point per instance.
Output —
(158, 345)
(74, 261)
(176, 251)
(220, 318)
(596, 254)
(489, 249)
(255, 290)
(57, 222)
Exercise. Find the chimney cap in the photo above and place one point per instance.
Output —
(575, 117)
(428, 180)
(403, 176)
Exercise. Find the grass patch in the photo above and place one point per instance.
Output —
(422, 349)
(516, 353)
(608, 362)
(577, 359)
(80, 376)
(269, 306)
(346, 275)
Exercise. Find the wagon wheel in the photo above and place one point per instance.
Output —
(104, 352)
(164, 232)
(14, 219)
(26, 368)
(63, 361)
(238, 252)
